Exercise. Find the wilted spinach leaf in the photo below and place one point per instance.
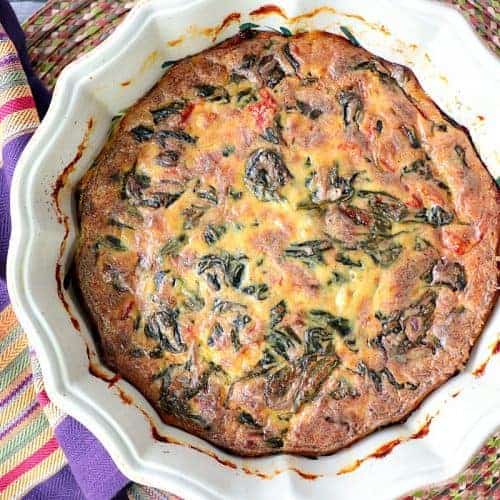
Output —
(247, 419)
(274, 442)
(245, 97)
(337, 323)
(459, 150)
(178, 135)
(239, 323)
(435, 216)
(142, 133)
(192, 215)
(171, 108)
(113, 242)
(309, 252)
(350, 36)
(307, 110)
(216, 332)
(163, 327)
(288, 54)
(277, 313)
(230, 267)
(136, 189)
(213, 233)
(173, 246)
(213, 94)
(282, 340)
(260, 291)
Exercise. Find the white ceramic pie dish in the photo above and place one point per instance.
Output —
(458, 72)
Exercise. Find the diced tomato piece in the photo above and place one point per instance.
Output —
(455, 242)
(349, 146)
(263, 110)
(352, 148)
(387, 167)
(186, 113)
(210, 117)
(188, 332)
(357, 215)
(415, 202)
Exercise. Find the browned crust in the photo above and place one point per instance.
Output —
(475, 199)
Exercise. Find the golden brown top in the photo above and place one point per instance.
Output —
(286, 244)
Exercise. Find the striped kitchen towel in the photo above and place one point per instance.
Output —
(43, 452)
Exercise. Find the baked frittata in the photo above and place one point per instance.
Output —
(286, 245)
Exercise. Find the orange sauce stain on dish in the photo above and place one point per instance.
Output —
(125, 397)
(496, 348)
(273, 9)
(160, 437)
(61, 180)
(64, 219)
(149, 61)
(170, 440)
(479, 371)
(231, 18)
(114, 380)
(177, 41)
(386, 448)
(225, 462)
(265, 10)
(306, 475)
(313, 13)
(384, 30)
(355, 16)
(350, 468)
(215, 31)
(111, 380)
(259, 474)
(96, 371)
(424, 430)
(126, 84)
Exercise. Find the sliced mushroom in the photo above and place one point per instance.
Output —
(265, 173)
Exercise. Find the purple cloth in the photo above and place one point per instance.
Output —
(90, 472)
(94, 471)
(16, 34)
(61, 486)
